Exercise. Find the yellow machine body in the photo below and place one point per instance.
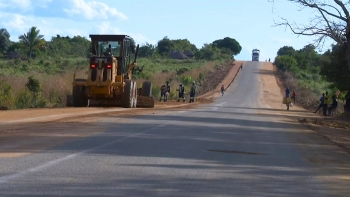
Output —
(109, 81)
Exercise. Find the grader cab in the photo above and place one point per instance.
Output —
(109, 81)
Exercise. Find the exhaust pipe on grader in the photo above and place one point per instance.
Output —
(109, 81)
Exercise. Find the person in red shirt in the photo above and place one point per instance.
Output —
(293, 96)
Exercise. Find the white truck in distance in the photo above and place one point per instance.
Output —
(255, 54)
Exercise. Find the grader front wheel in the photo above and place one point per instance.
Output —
(128, 98)
(134, 90)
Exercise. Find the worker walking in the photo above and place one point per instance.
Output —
(321, 103)
(193, 92)
(222, 90)
(287, 92)
(288, 99)
(181, 93)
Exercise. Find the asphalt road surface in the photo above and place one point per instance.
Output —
(221, 149)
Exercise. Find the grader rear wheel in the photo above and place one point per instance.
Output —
(146, 89)
(79, 99)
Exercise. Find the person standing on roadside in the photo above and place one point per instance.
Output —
(293, 96)
(181, 93)
(325, 105)
(193, 92)
(334, 105)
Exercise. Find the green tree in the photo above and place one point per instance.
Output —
(147, 50)
(4, 40)
(32, 39)
(79, 46)
(208, 52)
(286, 63)
(16, 46)
(165, 46)
(34, 86)
(333, 67)
(184, 44)
(307, 57)
(286, 50)
(228, 43)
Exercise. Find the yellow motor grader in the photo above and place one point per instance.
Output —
(109, 81)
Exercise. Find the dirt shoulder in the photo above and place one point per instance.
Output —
(271, 96)
(226, 81)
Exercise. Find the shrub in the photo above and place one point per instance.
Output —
(24, 99)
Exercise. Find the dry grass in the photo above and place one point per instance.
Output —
(159, 79)
(56, 87)
(52, 85)
(305, 97)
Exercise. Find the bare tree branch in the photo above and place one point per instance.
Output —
(341, 4)
(317, 6)
(332, 21)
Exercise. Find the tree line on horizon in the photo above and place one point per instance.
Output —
(33, 45)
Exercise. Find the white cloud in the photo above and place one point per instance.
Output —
(15, 22)
(42, 3)
(23, 4)
(75, 32)
(281, 40)
(93, 10)
(139, 38)
(106, 28)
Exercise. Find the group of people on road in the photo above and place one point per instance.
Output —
(325, 101)
(289, 97)
(326, 105)
(165, 92)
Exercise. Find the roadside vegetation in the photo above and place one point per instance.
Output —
(320, 72)
(38, 73)
(310, 74)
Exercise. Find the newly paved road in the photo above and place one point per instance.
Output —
(221, 149)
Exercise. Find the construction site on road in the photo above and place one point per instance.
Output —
(259, 119)
(57, 113)
(19, 127)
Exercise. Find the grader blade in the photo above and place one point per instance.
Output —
(145, 102)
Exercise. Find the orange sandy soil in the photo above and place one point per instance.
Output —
(271, 97)
(28, 131)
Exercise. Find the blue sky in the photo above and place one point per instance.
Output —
(200, 21)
